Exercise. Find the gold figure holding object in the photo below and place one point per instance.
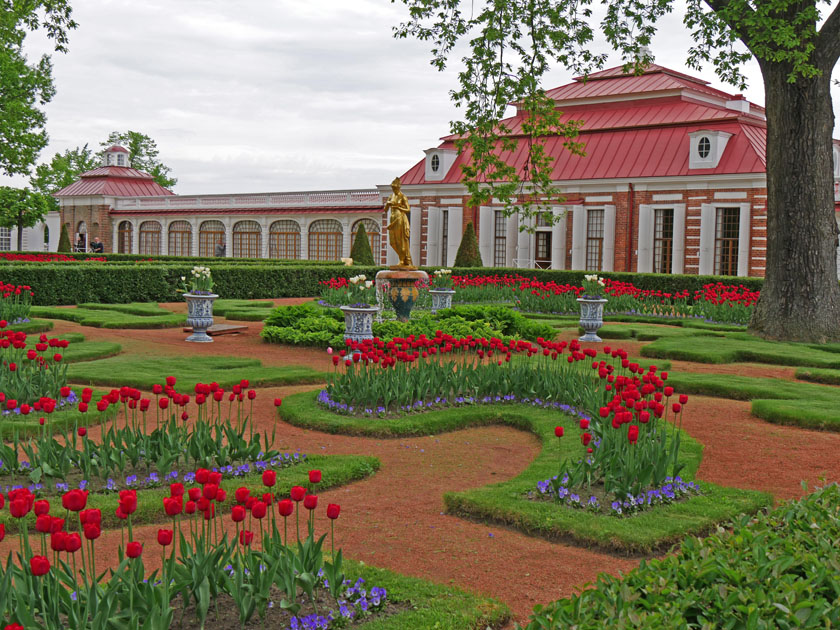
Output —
(399, 229)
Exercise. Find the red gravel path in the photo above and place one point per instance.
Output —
(395, 519)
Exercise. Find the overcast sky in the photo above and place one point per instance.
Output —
(259, 95)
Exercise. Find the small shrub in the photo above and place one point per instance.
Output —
(64, 239)
(468, 254)
(361, 252)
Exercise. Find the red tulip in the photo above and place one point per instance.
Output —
(586, 438)
(170, 380)
(176, 489)
(39, 507)
(297, 493)
(190, 507)
(333, 511)
(83, 407)
(74, 500)
(2, 531)
(683, 399)
(134, 549)
(173, 505)
(584, 423)
(278, 402)
(238, 513)
(58, 541)
(92, 531)
(93, 516)
(39, 565)
(632, 433)
(241, 494)
(128, 501)
(163, 403)
(676, 407)
(669, 391)
(310, 502)
(285, 507)
(558, 431)
(251, 394)
(314, 476)
(194, 493)
(82, 432)
(246, 537)
(269, 478)
(164, 537)
(259, 509)
(215, 477)
(73, 542)
(210, 490)
(43, 523)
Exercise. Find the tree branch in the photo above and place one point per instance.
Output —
(828, 44)
(720, 6)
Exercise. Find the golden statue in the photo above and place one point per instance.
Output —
(399, 229)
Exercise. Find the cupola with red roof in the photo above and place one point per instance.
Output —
(115, 178)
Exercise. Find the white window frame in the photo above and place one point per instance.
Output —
(579, 224)
(644, 255)
(708, 214)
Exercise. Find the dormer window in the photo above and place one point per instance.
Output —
(706, 148)
(120, 159)
(438, 163)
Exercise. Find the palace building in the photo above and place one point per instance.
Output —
(673, 181)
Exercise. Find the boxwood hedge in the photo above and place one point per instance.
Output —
(133, 279)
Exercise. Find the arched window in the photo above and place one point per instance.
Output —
(124, 234)
(247, 239)
(46, 238)
(180, 238)
(210, 234)
(81, 237)
(284, 240)
(325, 240)
(150, 232)
(372, 230)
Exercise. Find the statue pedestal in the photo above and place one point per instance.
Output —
(403, 292)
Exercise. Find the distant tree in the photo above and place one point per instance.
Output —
(25, 88)
(64, 239)
(468, 254)
(142, 155)
(361, 252)
(63, 169)
(22, 208)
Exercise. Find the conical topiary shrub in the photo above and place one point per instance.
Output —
(64, 239)
(468, 254)
(361, 252)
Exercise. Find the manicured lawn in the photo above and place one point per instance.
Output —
(507, 503)
(243, 310)
(741, 347)
(143, 372)
(134, 315)
(33, 326)
(79, 349)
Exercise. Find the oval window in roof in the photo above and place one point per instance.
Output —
(704, 147)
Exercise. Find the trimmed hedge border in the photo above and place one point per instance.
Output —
(137, 280)
(505, 503)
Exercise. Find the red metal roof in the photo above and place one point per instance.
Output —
(114, 181)
(116, 149)
(237, 211)
(632, 84)
(628, 153)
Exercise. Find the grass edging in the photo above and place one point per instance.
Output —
(336, 470)
(506, 503)
(32, 326)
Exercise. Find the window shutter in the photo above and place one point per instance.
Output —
(644, 260)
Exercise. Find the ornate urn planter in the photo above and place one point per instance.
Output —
(358, 322)
(591, 316)
(403, 292)
(441, 298)
(200, 315)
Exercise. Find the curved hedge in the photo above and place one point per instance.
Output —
(133, 279)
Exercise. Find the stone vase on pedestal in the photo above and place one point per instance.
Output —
(200, 315)
(358, 322)
(441, 298)
(403, 292)
(591, 316)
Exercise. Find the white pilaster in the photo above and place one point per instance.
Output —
(416, 225)
(707, 240)
(433, 234)
(608, 251)
(744, 240)
(644, 259)
(678, 251)
(456, 231)
(485, 235)
(578, 238)
(558, 240)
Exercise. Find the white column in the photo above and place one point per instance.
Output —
(524, 256)
(558, 240)
(608, 251)
(511, 239)
(346, 246)
(486, 225)
(416, 223)
(744, 241)
(304, 239)
(644, 259)
(678, 247)
(264, 237)
(228, 238)
(135, 237)
(432, 236)
(707, 240)
(194, 237)
(578, 238)
(164, 238)
(456, 231)
(116, 234)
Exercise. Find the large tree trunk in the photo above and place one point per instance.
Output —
(800, 300)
